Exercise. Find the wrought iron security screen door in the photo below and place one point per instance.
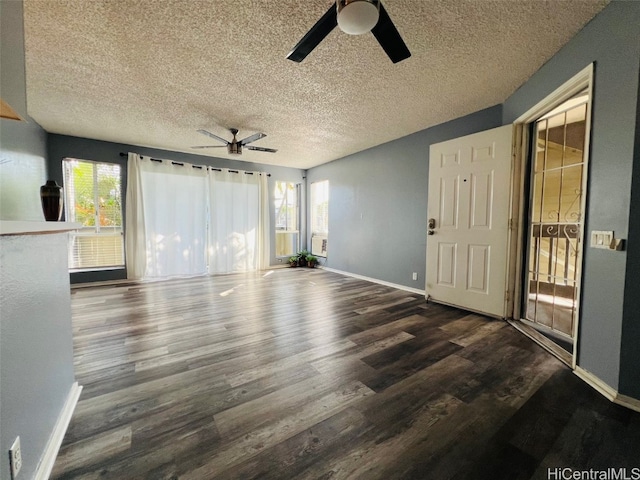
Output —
(557, 190)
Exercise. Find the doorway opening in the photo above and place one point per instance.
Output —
(555, 133)
(556, 219)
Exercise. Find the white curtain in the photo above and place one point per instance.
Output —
(234, 205)
(169, 218)
(134, 237)
(264, 229)
(185, 221)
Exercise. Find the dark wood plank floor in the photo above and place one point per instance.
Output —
(306, 374)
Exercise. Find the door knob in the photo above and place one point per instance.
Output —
(430, 232)
(431, 223)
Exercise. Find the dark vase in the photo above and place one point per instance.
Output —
(51, 197)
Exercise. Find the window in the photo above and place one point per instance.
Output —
(287, 203)
(93, 198)
(319, 217)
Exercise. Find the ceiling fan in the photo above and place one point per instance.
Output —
(234, 147)
(354, 17)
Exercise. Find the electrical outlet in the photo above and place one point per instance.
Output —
(415, 275)
(15, 458)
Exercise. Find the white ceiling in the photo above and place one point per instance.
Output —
(152, 72)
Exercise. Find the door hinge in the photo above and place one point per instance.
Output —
(512, 224)
(507, 296)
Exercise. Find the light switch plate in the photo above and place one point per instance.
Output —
(601, 238)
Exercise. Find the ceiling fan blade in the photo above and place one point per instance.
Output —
(262, 149)
(314, 36)
(209, 134)
(389, 38)
(210, 146)
(252, 138)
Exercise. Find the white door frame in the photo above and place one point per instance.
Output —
(580, 81)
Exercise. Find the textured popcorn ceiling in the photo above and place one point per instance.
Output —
(152, 72)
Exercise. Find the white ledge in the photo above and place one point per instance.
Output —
(20, 227)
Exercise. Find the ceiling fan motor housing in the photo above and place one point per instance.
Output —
(356, 17)
(234, 148)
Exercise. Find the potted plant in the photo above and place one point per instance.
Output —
(311, 261)
(293, 261)
(302, 257)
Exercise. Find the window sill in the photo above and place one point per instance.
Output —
(95, 269)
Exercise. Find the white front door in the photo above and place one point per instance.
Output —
(468, 212)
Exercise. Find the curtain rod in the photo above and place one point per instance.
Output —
(123, 154)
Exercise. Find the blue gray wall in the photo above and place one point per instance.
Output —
(629, 358)
(36, 343)
(12, 74)
(22, 169)
(36, 364)
(378, 198)
(22, 144)
(61, 146)
(378, 202)
(612, 41)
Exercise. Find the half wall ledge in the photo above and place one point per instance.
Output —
(20, 227)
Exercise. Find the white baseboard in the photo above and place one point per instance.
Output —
(607, 390)
(43, 471)
(105, 283)
(596, 383)
(629, 402)
(375, 280)
(280, 265)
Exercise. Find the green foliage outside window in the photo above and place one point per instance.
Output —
(103, 206)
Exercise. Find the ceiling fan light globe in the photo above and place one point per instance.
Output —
(358, 17)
